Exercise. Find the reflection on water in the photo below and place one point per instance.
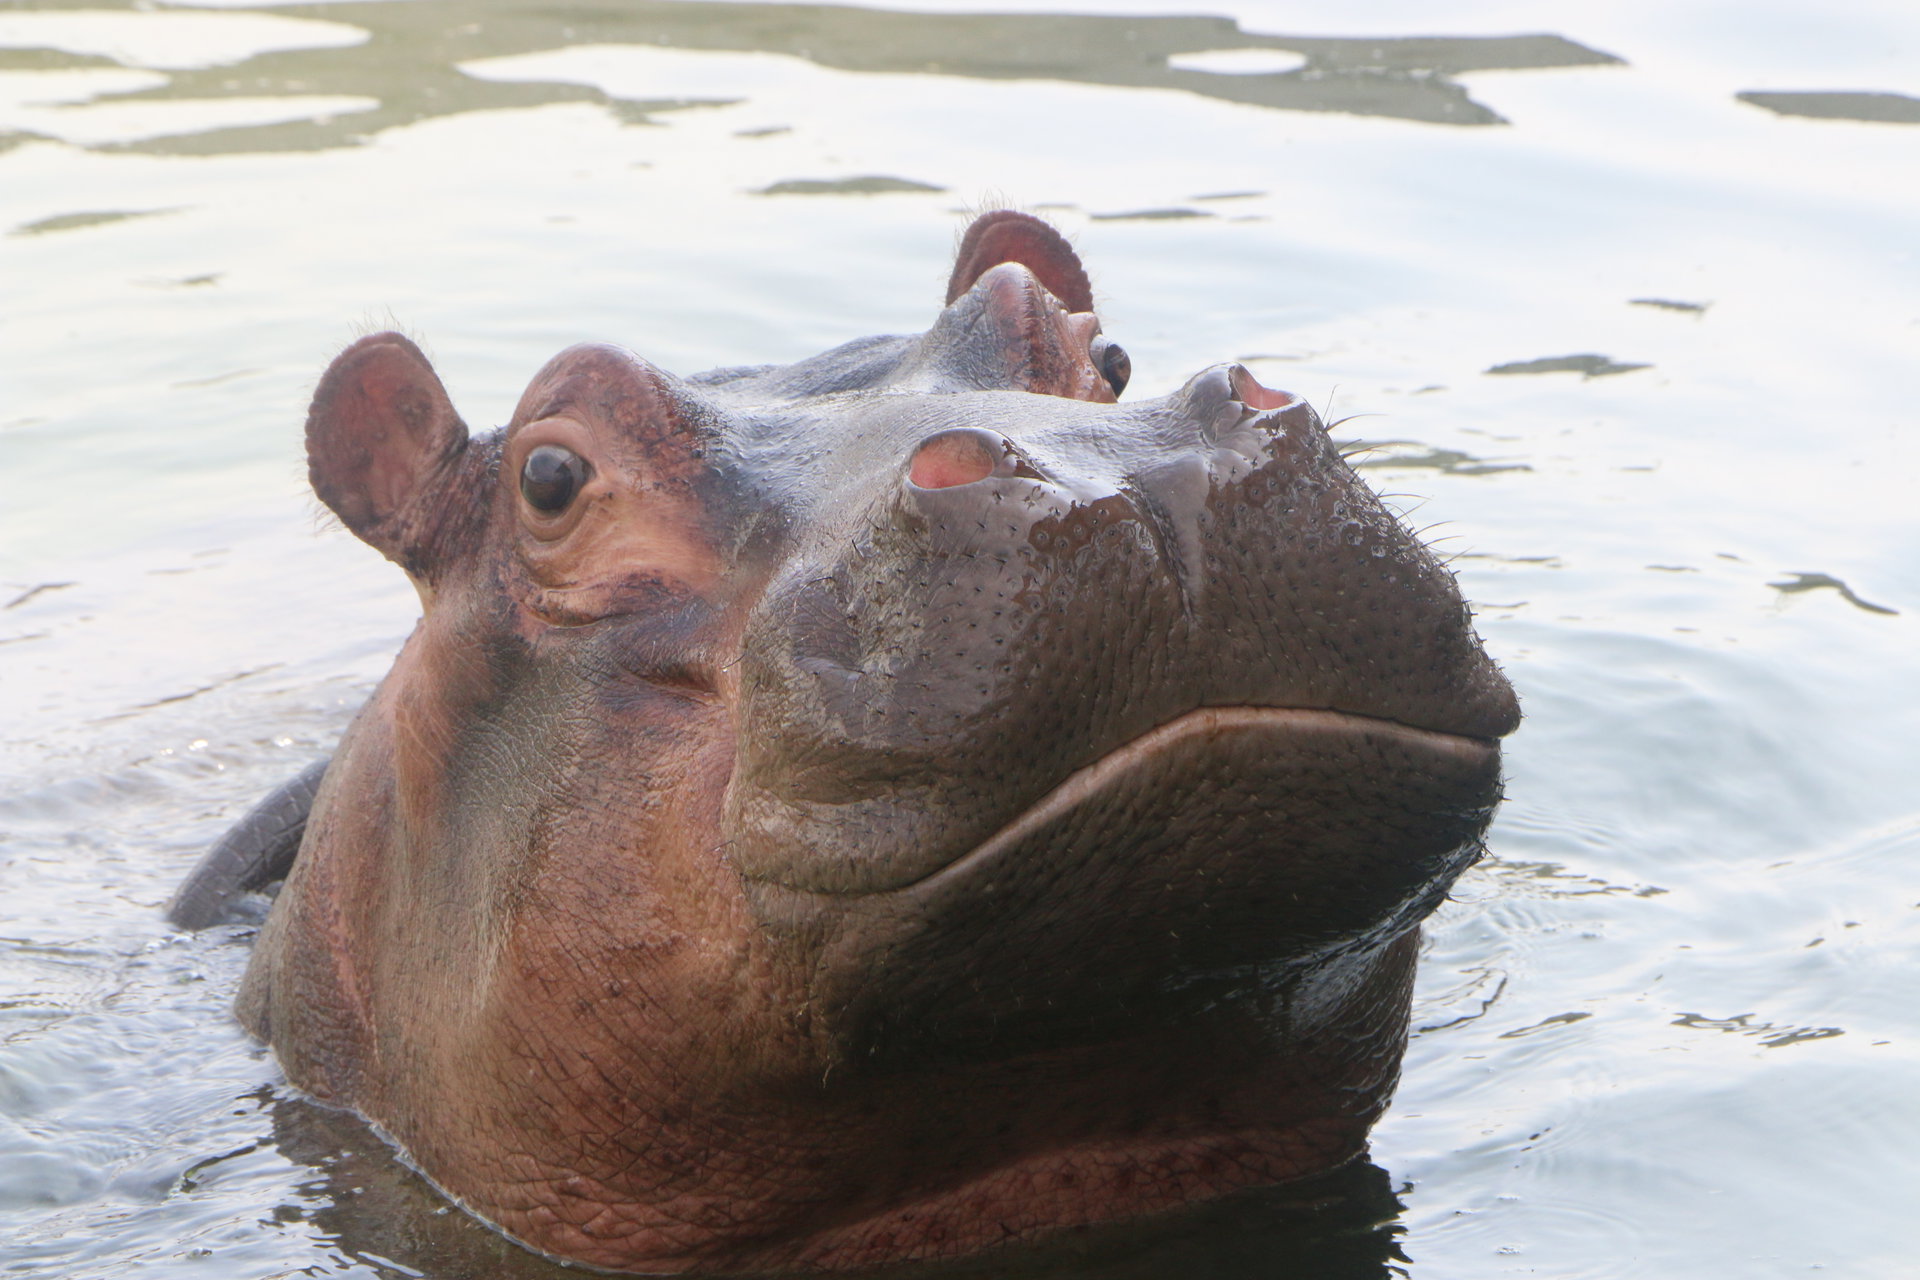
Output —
(1383, 455)
(1666, 1030)
(1880, 108)
(410, 66)
(1770, 1035)
(865, 185)
(364, 1203)
(1587, 366)
(74, 221)
(1817, 581)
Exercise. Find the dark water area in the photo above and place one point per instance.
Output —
(1621, 308)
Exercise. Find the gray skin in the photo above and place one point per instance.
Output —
(252, 858)
(875, 808)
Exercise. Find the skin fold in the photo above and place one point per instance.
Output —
(876, 808)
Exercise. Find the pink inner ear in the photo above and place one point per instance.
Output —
(379, 431)
(1007, 236)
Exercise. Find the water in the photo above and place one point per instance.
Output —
(1667, 1030)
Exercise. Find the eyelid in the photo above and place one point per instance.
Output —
(567, 432)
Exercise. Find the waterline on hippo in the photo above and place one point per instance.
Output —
(873, 809)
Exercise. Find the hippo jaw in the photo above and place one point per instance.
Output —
(876, 808)
(1217, 858)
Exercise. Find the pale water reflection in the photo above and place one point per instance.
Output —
(1626, 304)
(415, 65)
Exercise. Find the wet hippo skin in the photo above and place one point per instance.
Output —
(875, 808)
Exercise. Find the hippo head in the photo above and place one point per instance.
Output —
(877, 807)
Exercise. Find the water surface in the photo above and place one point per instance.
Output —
(1626, 302)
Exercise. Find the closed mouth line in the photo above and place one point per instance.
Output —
(1101, 776)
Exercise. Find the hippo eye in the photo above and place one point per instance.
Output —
(550, 478)
(1116, 367)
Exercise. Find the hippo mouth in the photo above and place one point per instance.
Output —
(1210, 733)
(1221, 851)
(1248, 758)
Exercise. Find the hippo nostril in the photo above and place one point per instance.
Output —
(1248, 391)
(957, 457)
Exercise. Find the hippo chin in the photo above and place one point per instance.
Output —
(879, 807)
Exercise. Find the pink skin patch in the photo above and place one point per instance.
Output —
(951, 459)
(1247, 389)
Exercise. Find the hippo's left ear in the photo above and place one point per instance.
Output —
(1007, 236)
(382, 442)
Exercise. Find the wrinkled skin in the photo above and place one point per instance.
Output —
(892, 805)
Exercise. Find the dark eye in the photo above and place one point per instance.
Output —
(550, 478)
(1116, 367)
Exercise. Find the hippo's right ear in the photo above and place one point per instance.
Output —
(382, 437)
(1006, 235)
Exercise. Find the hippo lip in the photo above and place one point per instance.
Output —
(1092, 783)
(1100, 781)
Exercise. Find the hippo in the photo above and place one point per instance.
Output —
(872, 809)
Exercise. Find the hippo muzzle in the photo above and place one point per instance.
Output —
(878, 807)
(1163, 680)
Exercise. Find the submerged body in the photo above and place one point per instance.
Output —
(875, 808)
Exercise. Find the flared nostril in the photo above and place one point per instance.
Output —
(1248, 391)
(953, 458)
